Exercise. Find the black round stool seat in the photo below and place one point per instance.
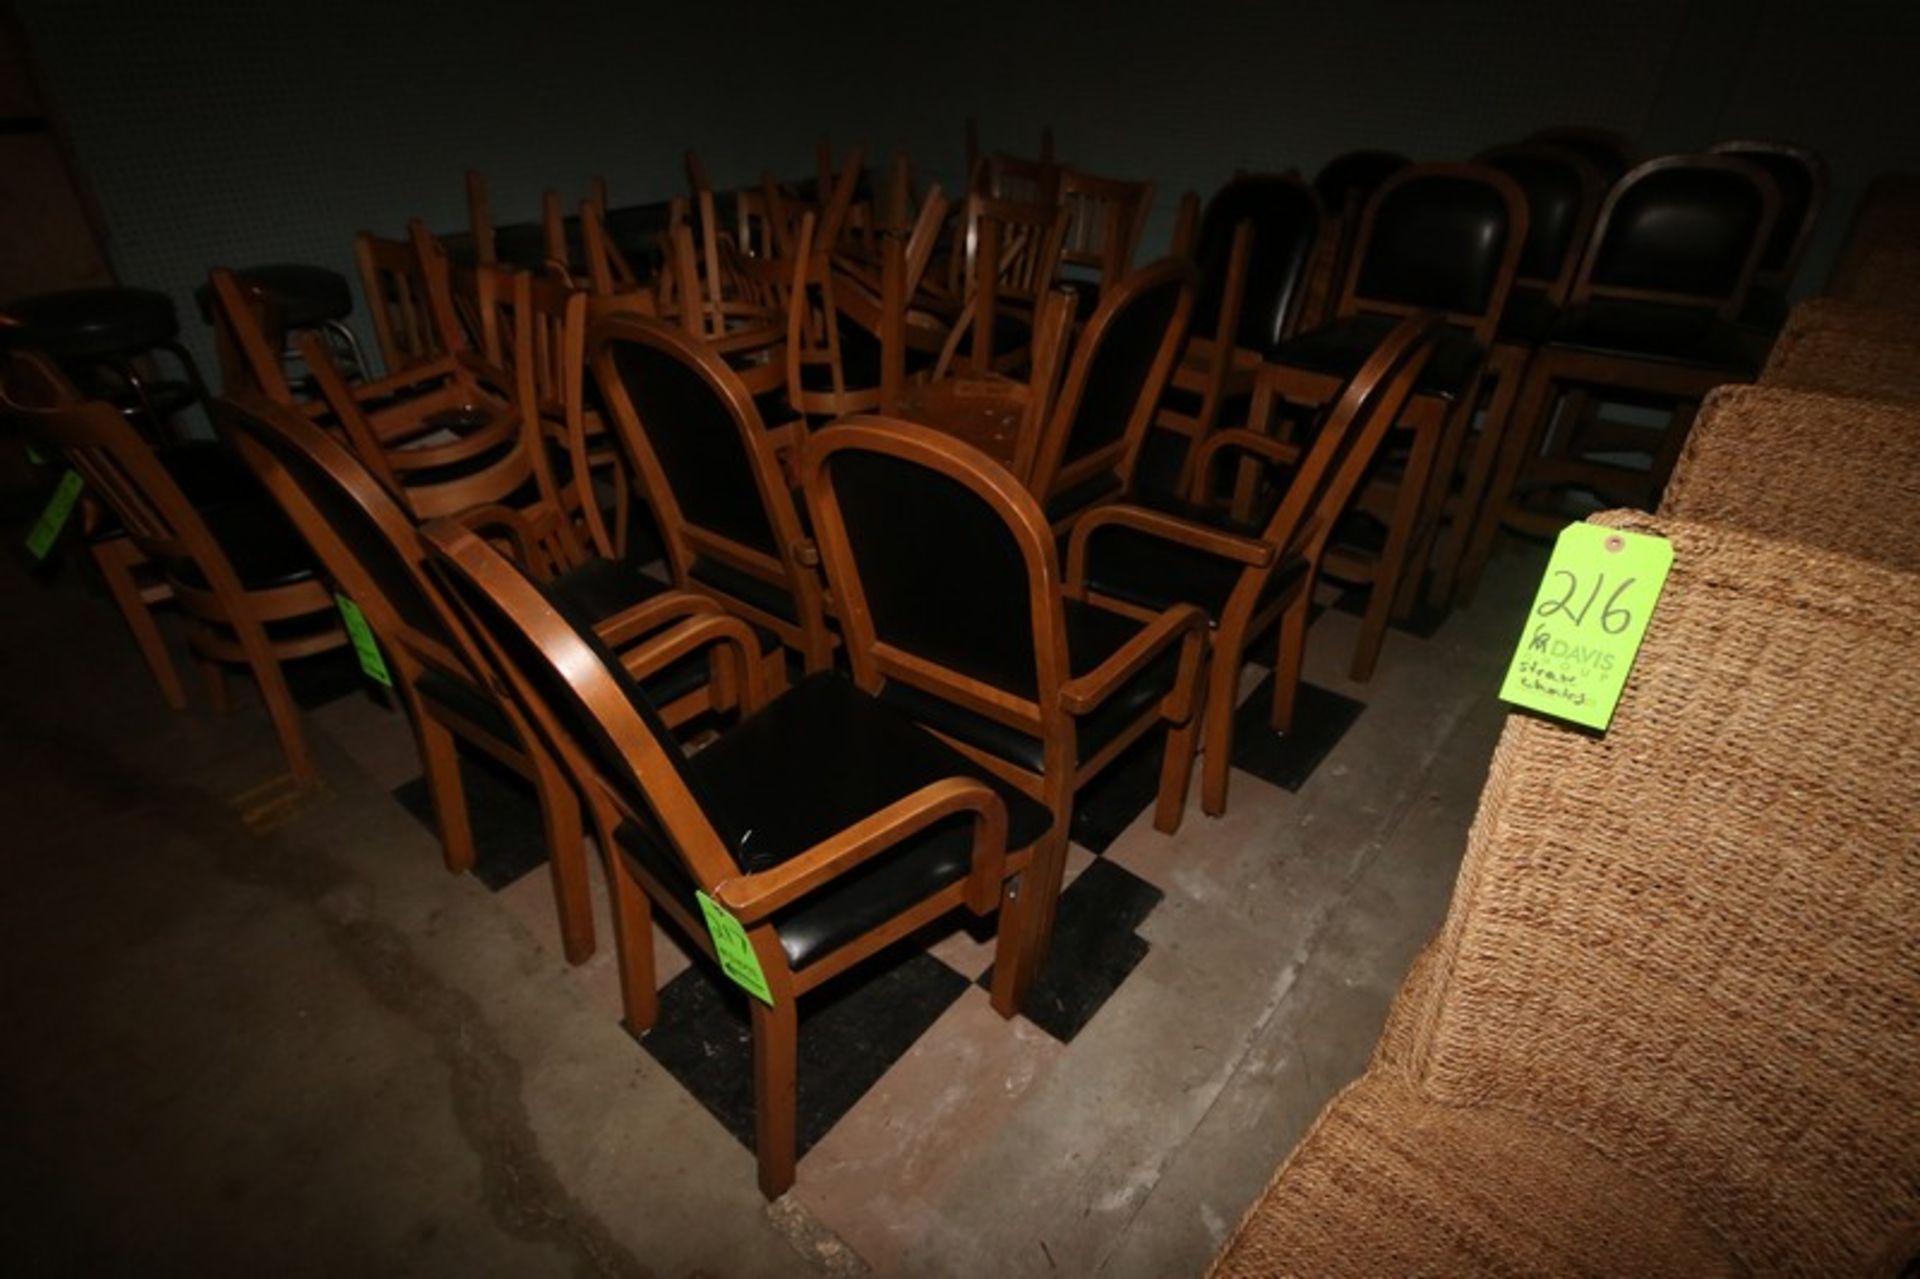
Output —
(81, 324)
(305, 296)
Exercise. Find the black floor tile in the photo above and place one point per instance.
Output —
(509, 839)
(851, 1031)
(1424, 624)
(1094, 948)
(1118, 793)
(1320, 718)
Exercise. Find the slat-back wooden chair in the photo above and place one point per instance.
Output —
(1244, 574)
(239, 573)
(827, 826)
(397, 302)
(1105, 219)
(1009, 255)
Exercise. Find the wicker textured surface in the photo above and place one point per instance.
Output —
(1682, 952)
(1832, 472)
(1848, 348)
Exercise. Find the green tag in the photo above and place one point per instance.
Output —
(1587, 622)
(46, 529)
(737, 959)
(372, 665)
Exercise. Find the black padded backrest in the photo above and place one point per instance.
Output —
(1358, 174)
(1286, 221)
(346, 514)
(698, 443)
(1120, 368)
(1553, 190)
(943, 575)
(1603, 155)
(1679, 230)
(570, 712)
(1436, 243)
(1796, 182)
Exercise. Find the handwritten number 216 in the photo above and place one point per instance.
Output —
(1613, 618)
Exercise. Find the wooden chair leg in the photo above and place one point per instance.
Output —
(440, 760)
(566, 858)
(282, 710)
(1516, 443)
(1394, 557)
(1216, 757)
(1291, 651)
(776, 1034)
(215, 675)
(1026, 922)
(115, 560)
(633, 943)
(1176, 772)
(1509, 368)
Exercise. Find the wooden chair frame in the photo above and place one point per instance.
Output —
(1325, 479)
(1105, 219)
(1780, 276)
(792, 569)
(993, 878)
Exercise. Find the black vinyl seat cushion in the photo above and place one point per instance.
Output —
(1093, 635)
(816, 760)
(600, 588)
(1155, 572)
(306, 296)
(84, 324)
(1655, 331)
(1528, 318)
(263, 547)
(1339, 350)
(745, 587)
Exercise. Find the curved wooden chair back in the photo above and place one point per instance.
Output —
(1251, 299)
(1563, 192)
(1112, 385)
(1010, 255)
(1801, 176)
(247, 339)
(1105, 218)
(397, 300)
(608, 272)
(1729, 208)
(1439, 237)
(697, 441)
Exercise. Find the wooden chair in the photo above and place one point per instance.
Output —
(395, 287)
(480, 219)
(1563, 193)
(1105, 218)
(609, 273)
(712, 478)
(1801, 176)
(373, 553)
(827, 825)
(1443, 237)
(947, 580)
(1652, 314)
(239, 573)
(1245, 575)
(1091, 442)
(1009, 256)
(975, 157)
(1344, 185)
(1254, 247)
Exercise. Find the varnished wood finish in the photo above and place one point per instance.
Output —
(565, 661)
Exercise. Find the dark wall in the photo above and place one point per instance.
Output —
(236, 132)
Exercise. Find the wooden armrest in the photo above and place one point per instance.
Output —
(650, 615)
(752, 898)
(395, 383)
(493, 521)
(704, 628)
(1232, 546)
(1084, 692)
(1242, 440)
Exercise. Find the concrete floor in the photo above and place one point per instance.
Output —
(251, 1034)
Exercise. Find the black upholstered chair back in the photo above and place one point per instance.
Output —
(1436, 237)
(357, 515)
(1285, 216)
(942, 574)
(1608, 151)
(696, 438)
(1801, 178)
(1346, 182)
(1127, 349)
(1562, 191)
(1686, 229)
(569, 689)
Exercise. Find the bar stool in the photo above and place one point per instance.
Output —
(99, 336)
(303, 298)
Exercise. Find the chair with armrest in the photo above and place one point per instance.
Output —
(1801, 177)
(712, 477)
(1246, 575)
(1669, 1024)
(826, 825)
(373, 553)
